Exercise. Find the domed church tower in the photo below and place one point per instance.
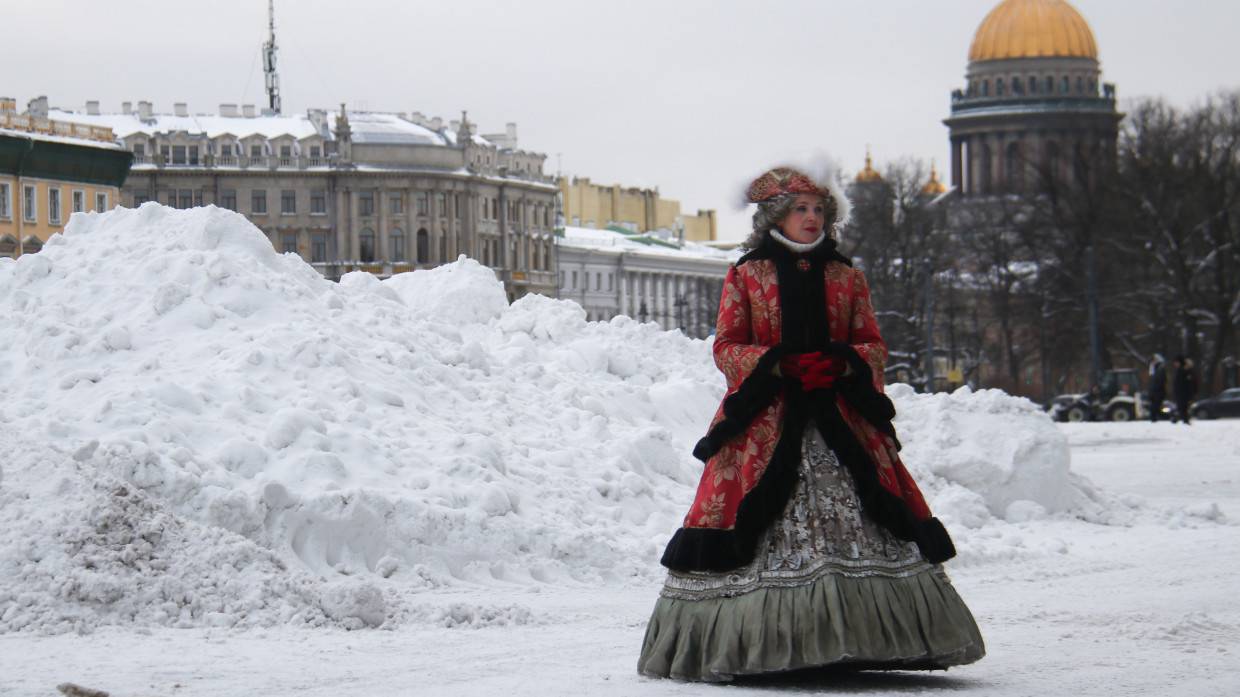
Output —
(1033, 100)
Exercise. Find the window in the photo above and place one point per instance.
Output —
(30, 202)
(1080, 85)
(396, 204)
(598, 281)
(258, 201)
(574, 280)
(288, 202)
(1064, 85)
(999, 87)
(424, 246)
(178, 154)
(318, 203)
(316, 152)
(53, 205)
(165, 153)
(611, 282)
(423, 204)
(139, 151)
(441, 205)
(286, 151)
(443, 248)
(8, 246)
(985, 88)
(198, 198)
(193, 154)
(366, 246)
(1050, 84)
(79, 201)
(494, 209)
(6, 207)
(366, 203)
(397, 241)
(171, 197)
(228, 199)
(456, 206)
(562, 279)
(186, 198)
(318, 247)
(101, 201)
(288, 242)
(256, 151)
(139, 199)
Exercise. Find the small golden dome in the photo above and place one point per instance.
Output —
(869, 175)
(934, 187)
(1033, 29)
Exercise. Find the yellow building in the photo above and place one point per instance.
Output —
(50, 170)
(591, 205)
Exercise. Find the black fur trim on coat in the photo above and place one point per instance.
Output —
(803, 311)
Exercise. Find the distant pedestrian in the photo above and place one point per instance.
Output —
(1184, 386)
(1158, 386)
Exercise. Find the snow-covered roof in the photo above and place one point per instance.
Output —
(646, 243)
(68, 140)
(212, 125)
(381, 128)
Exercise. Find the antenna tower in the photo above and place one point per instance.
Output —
(269, 60)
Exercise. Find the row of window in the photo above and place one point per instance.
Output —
(55, 208)
(398, 250)
(1020, 86)
(190, 154)
(598, 281)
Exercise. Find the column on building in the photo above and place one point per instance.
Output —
(381, 200)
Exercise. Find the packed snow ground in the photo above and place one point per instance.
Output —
(209, 452)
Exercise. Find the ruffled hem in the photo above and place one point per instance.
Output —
(878, 622)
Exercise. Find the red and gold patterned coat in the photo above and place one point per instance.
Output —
(738, 495)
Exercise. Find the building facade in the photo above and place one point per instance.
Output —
(50, 169)
(609, 273)
(589, 205)
(379, 192)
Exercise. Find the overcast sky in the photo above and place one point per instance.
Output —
(692, 96)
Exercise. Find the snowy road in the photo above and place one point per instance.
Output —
(1145, 609)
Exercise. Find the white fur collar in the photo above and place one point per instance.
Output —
(798, 247)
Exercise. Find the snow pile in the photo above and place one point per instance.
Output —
(211, 433)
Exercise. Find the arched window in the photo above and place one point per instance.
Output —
(424, 246)
(1093, 86)
(366, 246)
(8, 246)
(1080, 85)
(32, 245)
(1065, 85)
(1014, 168)
(985, 88)
(1050, 85)
(399, 252)
(999, 87)
(1018, 86)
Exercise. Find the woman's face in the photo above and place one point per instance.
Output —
(804, 222)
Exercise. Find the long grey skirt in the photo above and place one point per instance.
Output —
(828, 587)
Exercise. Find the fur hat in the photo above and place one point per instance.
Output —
(785, 180)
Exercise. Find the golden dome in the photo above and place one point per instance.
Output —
(869, 175)
(1033, 29)
(934, 187)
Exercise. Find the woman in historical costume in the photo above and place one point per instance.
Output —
(808, 543)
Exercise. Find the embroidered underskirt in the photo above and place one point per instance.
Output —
(828, 586)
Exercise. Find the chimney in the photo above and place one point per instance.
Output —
(436, 124)
(145, 110)
(180, 109)
(37, 107)
(418, 118)
(247, 110)
(229, 110)
(126, 108)
(511, 130)
(92, 107)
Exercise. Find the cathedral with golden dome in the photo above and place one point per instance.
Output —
(1032, 99)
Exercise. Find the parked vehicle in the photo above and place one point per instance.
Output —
(1225, 403)
(1117, 398)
